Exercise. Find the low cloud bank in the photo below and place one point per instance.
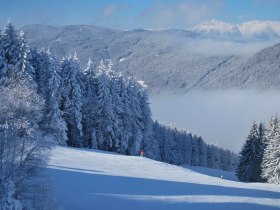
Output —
(221, 117)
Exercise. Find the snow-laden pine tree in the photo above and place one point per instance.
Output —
(135, 142)
(56, 126)
(49, 87)
(106, 116)
(118, 105)
(3, 64)
(12, 51)
(174, 146)
(90, 106)
(187, 147)
(249, 168)
(158, 133)
(71, 100)
(213, 157)
(229, 160)
(125, 117)
(15, 54)
(262, 140)
(271, 157)
(202, 147)
(195, 151)
(161, 134)
(150, 145)
(43, 66)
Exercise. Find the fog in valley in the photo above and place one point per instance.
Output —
(220, 117)
(214, 47)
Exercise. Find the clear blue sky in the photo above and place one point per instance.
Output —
(125, 14)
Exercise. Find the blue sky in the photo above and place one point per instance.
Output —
(125, 14)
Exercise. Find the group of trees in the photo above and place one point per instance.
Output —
(45, 101)
(23, 148)
(180, 147)
(98, 108)
(260, 156)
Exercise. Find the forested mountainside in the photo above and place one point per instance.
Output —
(172, 60)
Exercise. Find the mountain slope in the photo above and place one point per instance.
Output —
(88, 179)
(167, 60)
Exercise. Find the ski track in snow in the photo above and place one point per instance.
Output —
(89, 179)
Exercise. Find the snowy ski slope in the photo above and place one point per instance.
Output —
(96, 180)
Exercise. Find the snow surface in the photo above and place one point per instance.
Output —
(121, 59)
(88, 179)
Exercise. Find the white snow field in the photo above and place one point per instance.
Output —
(96, 180)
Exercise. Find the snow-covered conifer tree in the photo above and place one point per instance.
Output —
(150, 145)
(135, 143)
(14, 53)
(56, 126)
(71, 100)
(49, 87)
(105, 110)
(90, 106)
(249, 168)
(271, 157)
(117, 85)
(195, 151)
(202, 152)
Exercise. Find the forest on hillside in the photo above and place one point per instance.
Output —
(45, 102)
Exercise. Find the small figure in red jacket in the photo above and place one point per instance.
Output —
(142, 153)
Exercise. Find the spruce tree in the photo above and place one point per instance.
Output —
(202, 152)
(15, 55)
(249, 168)
(105, 115)
(55, 126)
(195, 151)
(125, 117)
(135, 142)
(71, 100)
(90, 106)
(271, 157)
(150, 146)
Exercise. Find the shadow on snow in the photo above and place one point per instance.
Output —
(76, 190)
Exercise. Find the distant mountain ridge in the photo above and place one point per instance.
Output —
(173, 60)
(248, 30)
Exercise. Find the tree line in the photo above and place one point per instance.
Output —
(45, 102)
(260, 155)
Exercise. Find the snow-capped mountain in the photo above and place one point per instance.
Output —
(252, 29)
(173, 60)
(215, 28)
(260, 29)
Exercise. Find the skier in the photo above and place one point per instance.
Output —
(142, 153)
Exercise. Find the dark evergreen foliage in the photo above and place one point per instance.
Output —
(249, 168)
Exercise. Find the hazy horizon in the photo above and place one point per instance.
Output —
(222, 118)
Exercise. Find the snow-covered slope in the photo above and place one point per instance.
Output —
(88, 179)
